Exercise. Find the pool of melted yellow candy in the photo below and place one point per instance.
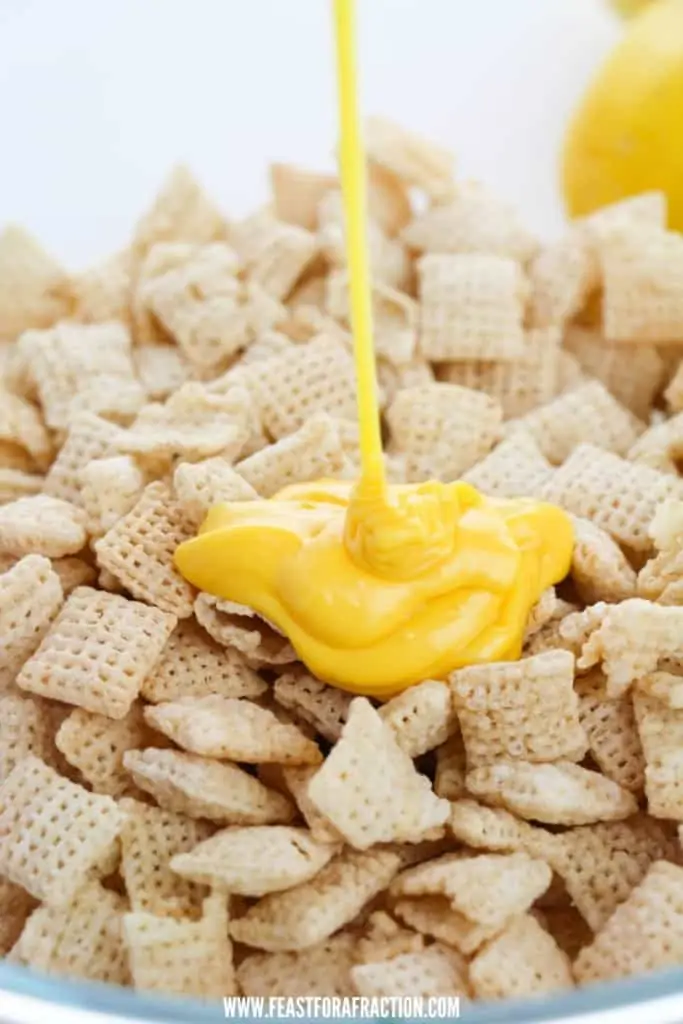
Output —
(377, 592)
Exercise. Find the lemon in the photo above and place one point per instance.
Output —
(627, 135)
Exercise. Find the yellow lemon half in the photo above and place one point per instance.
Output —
(627, 135)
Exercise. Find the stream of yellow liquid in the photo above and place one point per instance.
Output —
(379, 587)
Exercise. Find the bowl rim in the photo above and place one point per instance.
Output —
(660, 993)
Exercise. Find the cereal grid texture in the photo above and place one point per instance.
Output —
(172, 780)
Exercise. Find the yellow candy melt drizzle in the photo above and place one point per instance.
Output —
(380, 587)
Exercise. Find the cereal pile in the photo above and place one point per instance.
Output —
(183, 808)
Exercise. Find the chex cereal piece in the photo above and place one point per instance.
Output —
(235, 625)
(667, 687)
(21, 424)
(52, 831)
(660, 446)
(391, 802)
(41, 525)
(183, 957)
(661, 733)
(442, 429)
(488, 889)
(600, 570)
(576, 627)
(296, 193)
(557, 794)
(181, 211)
(588, 413)
(630, 640)
(311, 912)
(525, 710)
(471, 307)
(667, 525)
(312, 452)
(322, 970)
(449, 774)
(233, 729)
(35, 290)
(619, 496)
(388, 199)
(524, 960)
(25, 728)
(543, 612)
(76, 366)
(273, 254)
(492, 828)
(473, 221)
(642, 269)
(610, 725)
(393, 378)
(115, 398)
(412, 159)
(648, 209)
(644, 934)
(267, 345)
(384, 938)
(162, 369)
(81, 939)
(73, 572)
(661, 578)
(322, 706)
(634, 381)
(16, 483)
(297, 780)
(532, 379)
(160, 258)
(15, 907)
(30, 597)
(516, 468)
(194, 665)
(562, 276)
(435, 971)
(282, 259)
(200, 788)
(193, 424)
(109, 489)
(316, 377)
(255, 861)
(98, 652)
(200, 303)
(421, 717)
(434, 916)
(200, 485)
(150, 838)
(139, 551)
(103, 291)
(548, 637)
(395, 317)
(96, 744)
(89, 437)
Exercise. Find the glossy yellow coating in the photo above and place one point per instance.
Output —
(413, 594)
(380, 587)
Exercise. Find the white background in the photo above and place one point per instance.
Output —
(99, 97)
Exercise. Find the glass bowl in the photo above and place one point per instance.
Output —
(30, 998)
